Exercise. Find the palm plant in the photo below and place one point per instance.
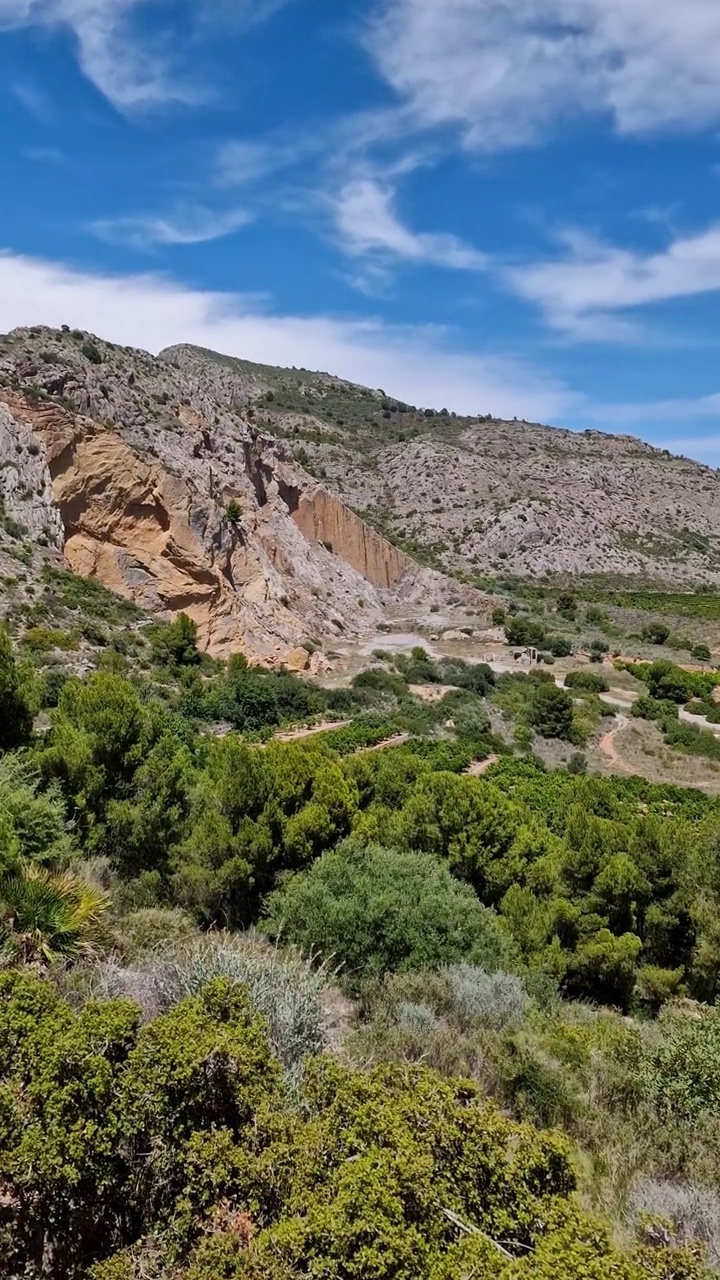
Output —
(46, 915)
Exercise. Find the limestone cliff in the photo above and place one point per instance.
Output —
(187, 507)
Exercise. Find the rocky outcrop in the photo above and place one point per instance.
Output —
(155, 477)
(26, 493)
(322, 518)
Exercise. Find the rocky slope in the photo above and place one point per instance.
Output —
(482, 496)
(284, 509)
(154, 478)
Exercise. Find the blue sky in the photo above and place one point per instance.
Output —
(506, 206)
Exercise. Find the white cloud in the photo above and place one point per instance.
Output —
(191, 226)
(690, 409)
(367, 224)
(506, 71)
(242, 161)
(129, 73)
(581, 293)
(414, 363)
(133, 71)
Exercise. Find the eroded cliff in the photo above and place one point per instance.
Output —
(188, 507)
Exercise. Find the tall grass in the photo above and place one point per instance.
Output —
(284, 988)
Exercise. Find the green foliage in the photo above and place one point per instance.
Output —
(670, 683)
(45, 916)
(464, 820)
(175, 644)
(100, 1145)
(679, 1070)
(373, 910)
(566, 605)
(588, 681)
(551, 711)
(15, 717)
(656, 632)
(91, 352)
(43, 639)
(522, 630)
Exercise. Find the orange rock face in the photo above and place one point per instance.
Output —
(298, 564)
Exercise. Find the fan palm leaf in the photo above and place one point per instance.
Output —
(45, 915)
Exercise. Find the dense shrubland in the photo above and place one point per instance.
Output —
(163, 1108)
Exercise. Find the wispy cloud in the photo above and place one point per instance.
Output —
(129, 72)
(417, 363)
(589, 290)
(368, 224)
(506, 72)
(190, 226)
(133, 70)
(45, 155)
(31, 98)
(243, 162)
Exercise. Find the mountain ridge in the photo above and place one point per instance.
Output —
(287, 510)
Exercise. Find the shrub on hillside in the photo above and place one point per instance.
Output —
(374, 910)
(656, 632)
(495, 1000)
(587, 681)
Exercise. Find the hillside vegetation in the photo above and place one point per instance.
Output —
(410, 1061)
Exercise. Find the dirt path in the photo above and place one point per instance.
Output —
(608, 748)
(398, 741)
(478, 767)
(293, 735)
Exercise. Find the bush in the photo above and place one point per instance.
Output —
(559, 647)
(587, 681)
(522, 630)
(175, 645)
(647, 708)
(667, 1213)
(43, 639)
(495, 1000)
(656, 632)
(91, 353)
(598, 649)
(374, 910)
(701, 653)
(678, 1073)
(284, 988)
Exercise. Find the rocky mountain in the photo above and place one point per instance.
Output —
(481, 496)
(284, 509)
(151, 476)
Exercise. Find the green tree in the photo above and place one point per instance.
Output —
(551, 711)
(465, 820)
(375, 910)
(566, 605)
(15, 715)
(176, 644)
(524, 631)
(604, 969)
